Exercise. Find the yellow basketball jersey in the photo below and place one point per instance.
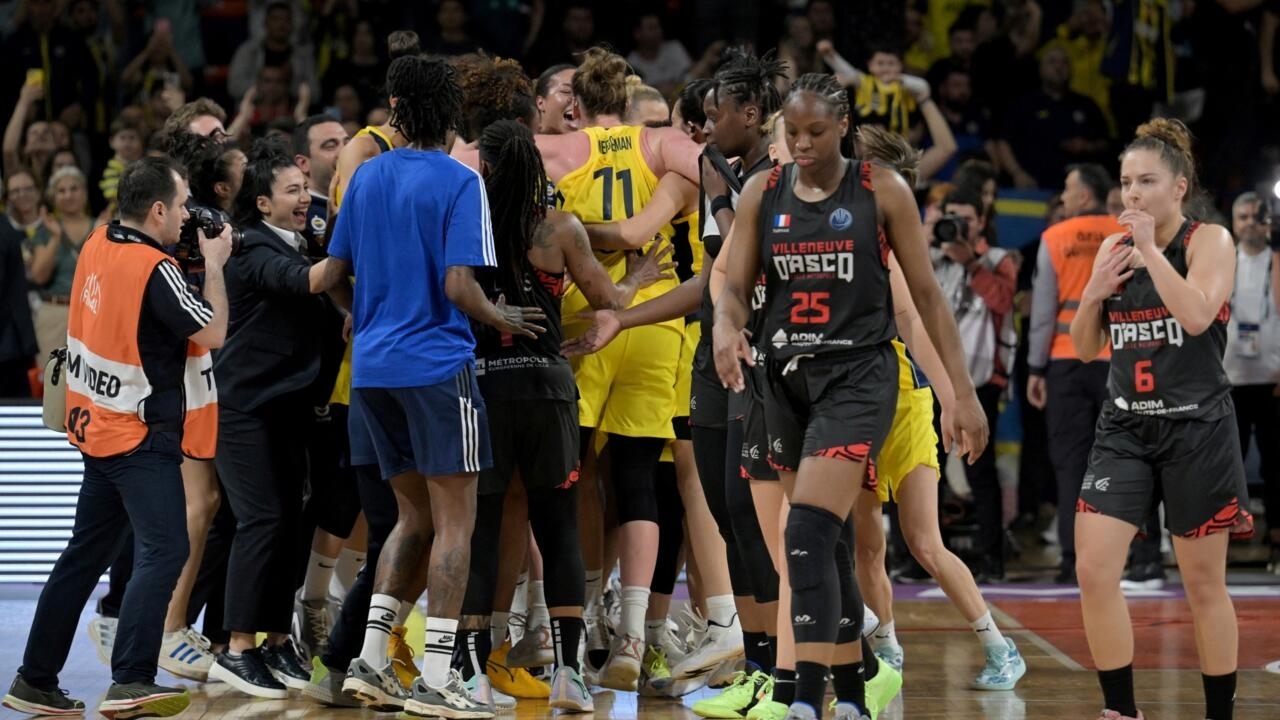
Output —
(614, 184)
(384, 144)
(910, 376)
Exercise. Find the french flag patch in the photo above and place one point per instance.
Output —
(782, 221)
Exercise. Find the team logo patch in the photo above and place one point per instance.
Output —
(318, 224)
(840, 219)
(782, 220)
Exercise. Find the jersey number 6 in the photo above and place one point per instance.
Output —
(1143, 380)
(810, 308)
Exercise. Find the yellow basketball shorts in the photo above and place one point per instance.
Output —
(911, 442)
(629, 387)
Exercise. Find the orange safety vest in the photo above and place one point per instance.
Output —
(200, 423)
(106, 384)
(1073, 245)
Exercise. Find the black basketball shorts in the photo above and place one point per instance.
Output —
(538, 438)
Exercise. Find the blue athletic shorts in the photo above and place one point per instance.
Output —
(440, 429)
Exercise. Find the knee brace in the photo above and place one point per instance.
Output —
(553, 514)
(633, 463)
(850, 627)
(815, 593)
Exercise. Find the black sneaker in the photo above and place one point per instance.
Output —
(138, 700)
(34, 701)
(248, 673)
(285, 664)
(1143, 576)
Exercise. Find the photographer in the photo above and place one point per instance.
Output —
(979, 281)
(131, 316)
(267, 374)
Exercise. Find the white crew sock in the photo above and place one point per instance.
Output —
(377, 631)
(498, 628)
(653, 630)
(441, 636)
(870, 621)
(538, 616)
(349, 564)
(635, 603)
(988, 633)
(722, 611)
(884, 636)
(319, 571)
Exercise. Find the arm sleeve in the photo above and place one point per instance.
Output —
(1044, 310)
(262, 268)
(173, 303)
(468, 240)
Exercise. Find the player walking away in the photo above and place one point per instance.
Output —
(1158, 295)
(832, 371)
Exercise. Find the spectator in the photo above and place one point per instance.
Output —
(968, 125)
(346, 100)
(1070, 392)
(798, 48)
(41, 42)
(183, 19)
(1137, 61)
(158, 64)
(17, 333)
(28, 145)
(962, 41)
(880, 94)
(1004, 65)
(317, 141)
(276, 50)
(127, 142)
(363, 69)
(662, 63)
(83, 18)
(510, 28)
(1084, 37)
(577, 35)
(920, 51)
(268, 101)
(451, 36)
(978, 281)
(1252, 359)
(56, 247)
(1050, 129)
(201, 116)
(22, 204)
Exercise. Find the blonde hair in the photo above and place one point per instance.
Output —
(600, 82)
(891, 150)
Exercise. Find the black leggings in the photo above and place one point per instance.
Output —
(717, 454)
(670, 530)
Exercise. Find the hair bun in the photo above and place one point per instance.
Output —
(1170, 131)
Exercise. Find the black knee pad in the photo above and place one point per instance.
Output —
(851, 607)
(633, 462)
(815, 592)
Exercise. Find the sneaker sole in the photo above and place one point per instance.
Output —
(166, 705)
(185, 671)
(570, 705)
(421, 709)
(217, 672)
(371, 696)
(702, 666)
(288, 680)
(619, 677)
(23, 706)
(326, 698)
(104, 651)
(684, 686)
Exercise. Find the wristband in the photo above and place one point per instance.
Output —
(721, 203)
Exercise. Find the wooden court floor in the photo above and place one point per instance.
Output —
(941, 658)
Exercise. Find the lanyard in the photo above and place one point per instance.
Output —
(1265, 313)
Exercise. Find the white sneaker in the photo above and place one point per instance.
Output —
(569, 692)
(102, 630)
(483, 693)
(185, 654)
(622, 671)
(533, 650)
(451, 701)
(719, 645)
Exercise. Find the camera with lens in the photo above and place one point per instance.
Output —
(950, 228)
(212, 221)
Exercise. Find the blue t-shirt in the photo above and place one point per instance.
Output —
(407, 217)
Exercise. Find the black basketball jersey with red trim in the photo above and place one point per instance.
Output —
(1157, 368)
(826, 267)
(513, 367)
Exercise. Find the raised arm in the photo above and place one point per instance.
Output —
(897, 203)
(944, 143)
(733, 306)
(1110, 270)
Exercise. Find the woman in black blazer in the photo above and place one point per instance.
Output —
(271, 373)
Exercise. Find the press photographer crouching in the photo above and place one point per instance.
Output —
(131, 317)
(979, 281)
(271, 373)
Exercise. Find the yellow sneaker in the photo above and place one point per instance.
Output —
(653, 669)
(516, 682)
(402, 657)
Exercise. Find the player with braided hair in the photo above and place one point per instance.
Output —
(414, 376)
(826, 212)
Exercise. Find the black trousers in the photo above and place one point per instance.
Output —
(262, 462)
(1076, 394)
(984, 483)
(1258, 415)
(142, 489)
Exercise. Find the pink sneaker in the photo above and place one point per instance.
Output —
(1113, 715)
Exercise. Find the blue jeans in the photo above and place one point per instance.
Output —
(142, 490)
